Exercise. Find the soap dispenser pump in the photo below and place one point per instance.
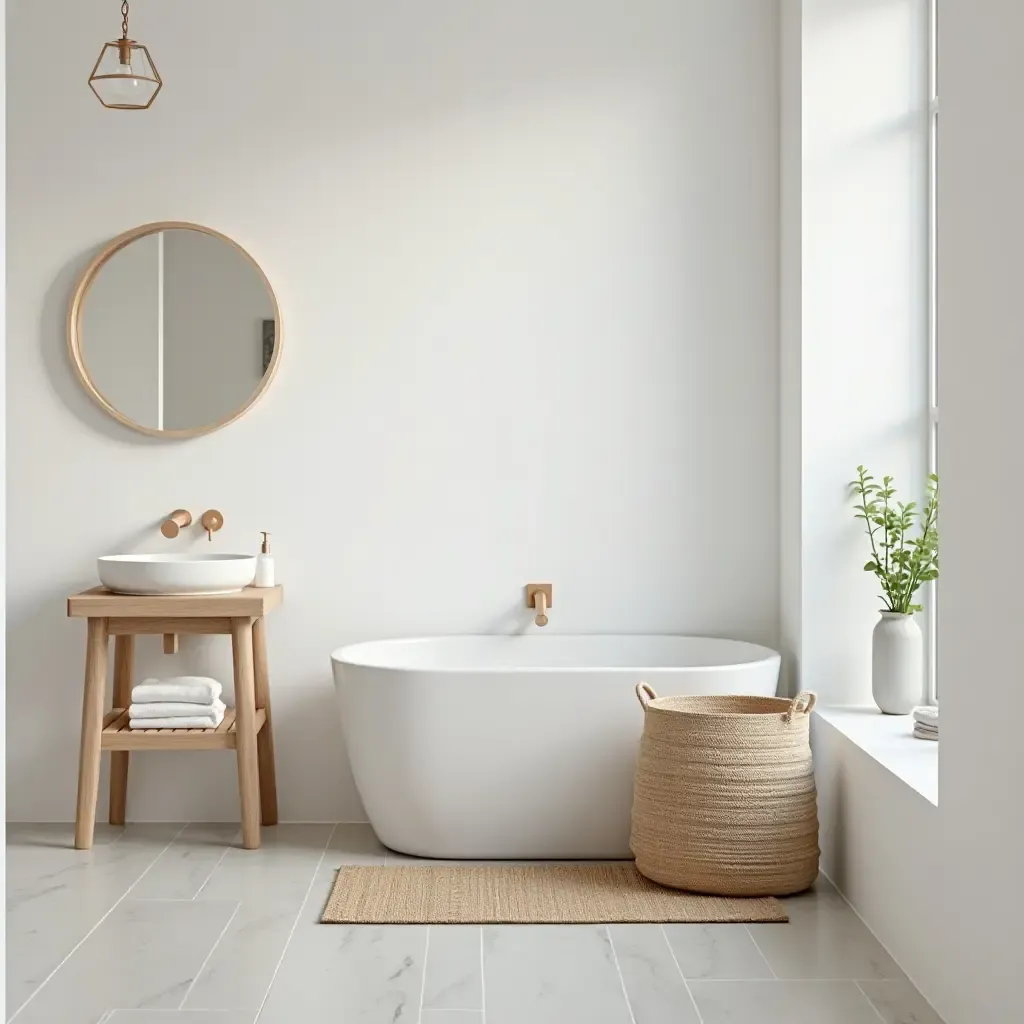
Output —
(264, 564)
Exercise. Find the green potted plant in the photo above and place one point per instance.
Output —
(903, 561)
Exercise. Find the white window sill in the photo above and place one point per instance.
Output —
(889, 740)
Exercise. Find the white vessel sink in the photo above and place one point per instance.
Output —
(176, 574)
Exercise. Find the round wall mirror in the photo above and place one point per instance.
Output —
(174, 330)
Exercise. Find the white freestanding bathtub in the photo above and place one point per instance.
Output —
(517, 747)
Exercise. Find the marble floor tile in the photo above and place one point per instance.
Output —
(453, 980)
(281, 868)
(656, 990)
(782, 1002)
(824, 939)
(46, 854)
(36, 835)
(183, 869)
(720, 951)
(359, 974)
(898, 1002)
(159, 924)
(355, 844)
(239, 971)
(179, 1017)
(550, 974)
(271, 884)
(143, 956)
(57, 894)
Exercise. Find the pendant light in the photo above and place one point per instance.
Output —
(125, 77)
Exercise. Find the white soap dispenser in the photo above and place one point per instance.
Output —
(264, 564)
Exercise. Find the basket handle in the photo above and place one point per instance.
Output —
(803, 703)
(645, 694)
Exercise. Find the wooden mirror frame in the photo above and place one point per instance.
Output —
(74, 329)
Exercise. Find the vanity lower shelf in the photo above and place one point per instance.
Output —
(118, 735)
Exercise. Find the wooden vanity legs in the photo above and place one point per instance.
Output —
(265, 739)
(245, 719)
(92, 730)
(124, 658)
(257, 778)
(257, 782)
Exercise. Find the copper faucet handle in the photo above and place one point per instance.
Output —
(177, 521)
(212, 521)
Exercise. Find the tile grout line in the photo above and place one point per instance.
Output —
(483, 984)
(423, 985)
(800, 979)
(867, 998)
(761, 952)
(686, 984)
(295, 923)
(109, 1015)
(165, 1009)
(618, 971)
(165, 899)
(213, 871)
(906, 975)
(85, 937)
(213, 948)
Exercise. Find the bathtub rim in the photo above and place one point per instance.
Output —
(342, 656)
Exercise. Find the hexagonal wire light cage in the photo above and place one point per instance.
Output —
(125, 77)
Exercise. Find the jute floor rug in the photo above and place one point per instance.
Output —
(600, 893)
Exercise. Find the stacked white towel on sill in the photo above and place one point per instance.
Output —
(926, 723)
(180, 702)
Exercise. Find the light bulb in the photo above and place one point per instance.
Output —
(124, 90)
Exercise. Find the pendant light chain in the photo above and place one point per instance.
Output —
(124, 19)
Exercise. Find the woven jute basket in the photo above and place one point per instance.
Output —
(724, 799)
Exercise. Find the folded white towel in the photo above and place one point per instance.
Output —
(927, 715)
(210, 721)
(179, 689)
(170, 709)
(924, 733)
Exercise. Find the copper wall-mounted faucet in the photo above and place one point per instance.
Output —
(538, 595)
(212, 521)
(177, 521)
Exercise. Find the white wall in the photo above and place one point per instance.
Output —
(854, 300)
(981, 370)
(791, 226)
(527, 256)
(215, 302)
(941, 886)
(121, 330)
(3, 407)
(881, 844)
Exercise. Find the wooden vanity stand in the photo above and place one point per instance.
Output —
(246, 728)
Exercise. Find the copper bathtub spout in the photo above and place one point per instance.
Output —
(538, 596)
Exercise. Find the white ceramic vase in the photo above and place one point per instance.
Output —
(897, 663)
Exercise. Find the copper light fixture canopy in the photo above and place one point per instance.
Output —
(124, 76)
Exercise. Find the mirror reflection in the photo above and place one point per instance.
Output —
(177, 330)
